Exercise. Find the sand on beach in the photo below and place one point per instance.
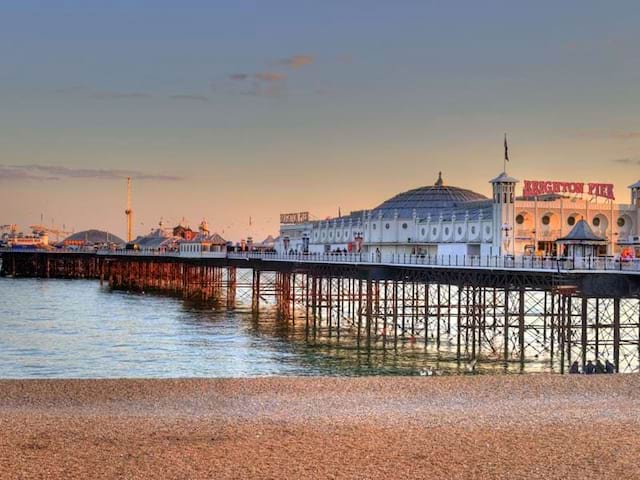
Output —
(536, 426)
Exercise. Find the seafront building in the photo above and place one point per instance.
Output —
(180, 238)
(443, 220)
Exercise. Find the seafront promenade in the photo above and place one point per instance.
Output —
(498, 427)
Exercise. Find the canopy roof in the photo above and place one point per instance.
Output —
(581, 234)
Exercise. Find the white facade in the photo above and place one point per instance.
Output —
(453, 221)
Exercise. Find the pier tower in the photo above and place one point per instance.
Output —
(504, 190)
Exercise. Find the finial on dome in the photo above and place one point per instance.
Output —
(439, 182)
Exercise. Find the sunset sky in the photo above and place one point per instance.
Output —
(238, 109)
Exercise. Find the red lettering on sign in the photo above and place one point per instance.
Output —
(534, 188)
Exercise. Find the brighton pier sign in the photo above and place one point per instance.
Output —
(534, 188)
(293, 218)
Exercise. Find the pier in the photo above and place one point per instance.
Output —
(514, 310)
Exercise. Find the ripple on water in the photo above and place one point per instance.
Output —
(63, 329)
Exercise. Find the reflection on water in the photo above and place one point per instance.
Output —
(75, 328)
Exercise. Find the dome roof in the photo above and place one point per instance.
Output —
(429, 199)
(95, 236)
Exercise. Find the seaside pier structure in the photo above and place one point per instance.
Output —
(515, 310)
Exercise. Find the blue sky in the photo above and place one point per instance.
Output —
(227, 110)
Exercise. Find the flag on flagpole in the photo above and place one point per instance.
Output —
(506, 149)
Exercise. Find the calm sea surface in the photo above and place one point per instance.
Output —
(75, 328)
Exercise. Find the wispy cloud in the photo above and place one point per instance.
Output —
(117, 95)
(71, 90)
(102, 94)
(8, 174)
(297, 61)
(627, 161)
(270, 76)
(56, 172)
(265, 84)
(190, 97)
(625, 135)
(616, 134)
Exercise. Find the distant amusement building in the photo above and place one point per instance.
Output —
(179, 239)
(440, 219)
(203, 241)
(92, 237)
(183, 232)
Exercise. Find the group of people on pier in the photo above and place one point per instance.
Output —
(593, 367)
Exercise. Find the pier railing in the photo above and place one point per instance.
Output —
(536, 263)
(460, 261)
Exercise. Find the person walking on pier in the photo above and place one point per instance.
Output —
(599, 366)
(574, 367)
(590, 368)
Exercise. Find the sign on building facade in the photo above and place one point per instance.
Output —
(293, 218)
(534, 188)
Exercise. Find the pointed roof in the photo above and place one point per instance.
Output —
(213, 239)
(269, 240)
(504, 178)
(581, 233)
(635, 185)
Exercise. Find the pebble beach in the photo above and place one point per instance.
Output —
(535, 426)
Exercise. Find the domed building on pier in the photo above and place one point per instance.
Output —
(441, 219)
